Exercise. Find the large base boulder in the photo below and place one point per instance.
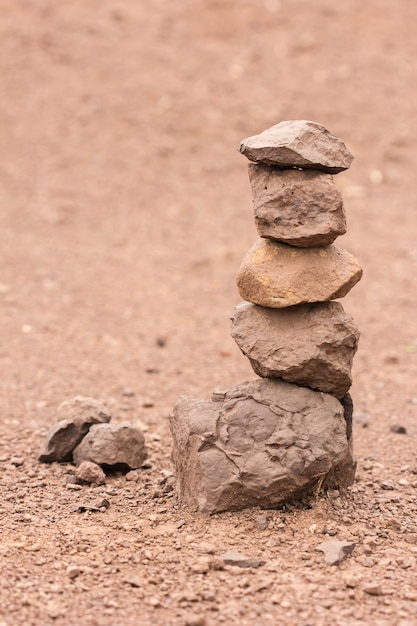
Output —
(260, 443)
(309, 344)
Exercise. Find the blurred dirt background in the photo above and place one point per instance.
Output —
(125, 212)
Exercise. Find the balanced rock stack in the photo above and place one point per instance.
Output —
(288, 433)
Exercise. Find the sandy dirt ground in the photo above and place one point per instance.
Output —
(125, 211)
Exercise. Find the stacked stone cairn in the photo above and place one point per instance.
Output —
(289, 433)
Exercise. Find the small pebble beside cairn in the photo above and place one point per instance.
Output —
(288, 433)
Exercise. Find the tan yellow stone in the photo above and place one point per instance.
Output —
(277, 275)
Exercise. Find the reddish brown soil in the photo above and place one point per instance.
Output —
(125, 212)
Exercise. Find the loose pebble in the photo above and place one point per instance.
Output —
(335, 551)
(73, 571)
(373, 590)
(239, 560)
(398, 429)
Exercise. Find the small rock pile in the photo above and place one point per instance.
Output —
(84, 436)
(287, 434)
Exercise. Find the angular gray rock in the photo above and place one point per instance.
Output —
(84, 410)
(112, 444)
(309, 344)
(240, 560)
(298, 143)
(335, 551)
(301, 208)
(258, 444)
(75, 418)
(277, 275)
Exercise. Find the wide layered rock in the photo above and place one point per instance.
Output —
(75, 417)
(258, 444)
(298, 143)
(277, 275)
(112, 445)
(301, 208)
(309, 344)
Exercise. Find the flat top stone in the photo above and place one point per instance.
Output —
(298, 143)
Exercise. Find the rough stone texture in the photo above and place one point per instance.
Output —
(258, 444)
(109, 444)
(347, 404)
(301, 208)
(309, 344)
(84, 410)
(276, 275)
(75, 418)
(335, 551)
(298, 143)
(89, 472)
